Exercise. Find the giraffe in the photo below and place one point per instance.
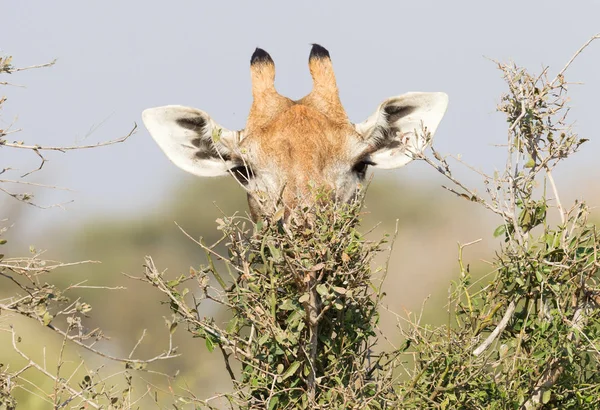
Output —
(289, 146)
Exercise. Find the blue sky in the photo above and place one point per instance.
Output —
(117, 58)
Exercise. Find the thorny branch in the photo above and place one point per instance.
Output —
(32, 297)
(538, 139)
(47, 304)
(41, 295)
(7, 68)
(37, 149)
(499, 328)
(59, 384)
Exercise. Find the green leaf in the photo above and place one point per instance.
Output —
(404, 347)
(209, 344)
(287, 304)
(279, 214)
(263, 339)
(538, 276)
(290, 370)
(232, 325)
(530, 163)
(570, 353)
(322, 289)
(295, 318)
(47, 318)
(303, 298)
(273, 402)
(40, 309)
(546, 396)
(275, 253)
(499, 230)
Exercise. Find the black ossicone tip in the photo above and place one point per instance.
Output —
(318, 52)
(260, 56)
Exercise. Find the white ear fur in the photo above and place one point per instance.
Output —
(191, 139)
(396, 128)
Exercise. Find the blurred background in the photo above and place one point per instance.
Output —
(117, 58)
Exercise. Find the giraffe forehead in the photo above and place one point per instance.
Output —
(302, 135)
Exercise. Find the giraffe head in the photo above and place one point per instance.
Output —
(288, 147)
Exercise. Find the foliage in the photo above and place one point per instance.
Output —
(529, 338)
(304, 311)
(304, 300)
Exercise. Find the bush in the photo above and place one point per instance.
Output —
(304, 311)
(304, 300)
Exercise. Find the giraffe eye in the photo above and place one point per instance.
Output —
(242, 173)
(360, 168)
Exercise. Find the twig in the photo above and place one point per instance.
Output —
(561, 210)
(71, 148)
(9, 263)
(12, 181)
(11, 84)
(154, 278)
(472, 196)
(583, 47)
(501, 326)
(31, 67)
(27, 200)
(312, 316)
(137, 344)
(209, 251)
(37, 148)
(49, 375)
(227, 365)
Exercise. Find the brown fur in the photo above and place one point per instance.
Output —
(267, 103)
(324, 96)
(301, 139)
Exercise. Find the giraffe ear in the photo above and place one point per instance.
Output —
(402, 126)
(191, 139)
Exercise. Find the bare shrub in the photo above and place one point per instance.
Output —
(27, 292)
